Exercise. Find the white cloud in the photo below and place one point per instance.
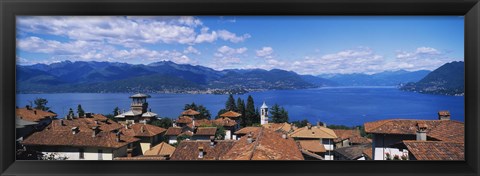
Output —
(419, 52)
(265, 52)
(126, 31)
(191, 50)
(227, 57)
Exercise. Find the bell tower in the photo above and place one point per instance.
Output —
(139, 102)
(263, 114)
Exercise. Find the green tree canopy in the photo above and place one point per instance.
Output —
(163, 122)
(250, 112)
(41, 104)
(204, 112)
(116, 111)
(300, 123)
(230, 104)
(241, 110)
(80, 111)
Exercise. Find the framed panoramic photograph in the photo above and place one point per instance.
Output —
(254, 87)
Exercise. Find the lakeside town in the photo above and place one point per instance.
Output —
(240, 131)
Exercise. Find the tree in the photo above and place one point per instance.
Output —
(70, 113)
(40, 104)
(80, 111)
(249, 111)
(116, 111)
(241, 110)
(190, 106)
(220, 112)
(283, 115)
(204, 112)
(230, 104)
(275, 113)
(300, 123)
(163, 122)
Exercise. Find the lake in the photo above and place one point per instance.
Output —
(332, 105)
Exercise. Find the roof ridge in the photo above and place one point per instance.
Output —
(256, 144)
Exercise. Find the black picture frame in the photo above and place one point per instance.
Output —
(468, 8)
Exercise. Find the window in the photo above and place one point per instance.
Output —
(100, 154)
(82, 153)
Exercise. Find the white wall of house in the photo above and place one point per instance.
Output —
(328, 157)
(328, 144)
(172, 139)
(381, 142)
(228, 135)
(89, 153)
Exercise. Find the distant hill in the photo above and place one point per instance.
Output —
(449, 79)
(162, 76)
(387, 78)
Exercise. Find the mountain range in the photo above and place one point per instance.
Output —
(167, 76)
(164, 76)
(449, 79)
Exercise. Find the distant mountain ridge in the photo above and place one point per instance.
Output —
(387, 78)
(164, 76)
(449, 79)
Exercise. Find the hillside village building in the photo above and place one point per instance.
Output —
(138, 111)
(263, 114)
(317, 140)
(93, 137)
(441, 139)
(29, 120)
(149, 135)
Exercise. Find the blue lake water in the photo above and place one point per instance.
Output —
(337, 105)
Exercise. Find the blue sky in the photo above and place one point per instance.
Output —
(304, 44)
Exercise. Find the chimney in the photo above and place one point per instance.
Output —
(249, 138)
(443, 115)
(62, 123)
(422, 131)
(88, 115)
(309, 126)
(212, 141)
(118, 134)
(94, 131)
(35, 112)
(28, 107)
(284, 136)
(200, 152)
(74, 130)
(142, 129)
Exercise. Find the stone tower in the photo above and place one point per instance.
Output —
(263, 114)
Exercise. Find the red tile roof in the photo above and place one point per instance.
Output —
(84, 124)
(444, 113)
(162, 149)
(142, 130)
(444, 130)
(189, 150)
(352, 135)
(202, 122)
(51, 137)
(368, 152)
(190, 112)
(267, 145)
(312, 145)
(280, 127)
(184, 119)
(352, 152)
(436, 150)
(205, 131)
(231, 114)
(33, 115)
(225, 121)
(173, 131)
(248, 130)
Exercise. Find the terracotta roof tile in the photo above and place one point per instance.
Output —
(184, 119)
(247, 130)
(142, 130)
(51, 137)
(445, 130)
(312, 145)
(190, 112)
(162, 149)
(231, 114)
(33, 115)
(205, 131)
(317, 132)
(225, 121)
(281, 127)
(352, 152)
(368, 152)
(173, 131)
(189, 150)
(352, 135)
(444, 113)
(436, 150)
(202, 122)
(267, 145)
